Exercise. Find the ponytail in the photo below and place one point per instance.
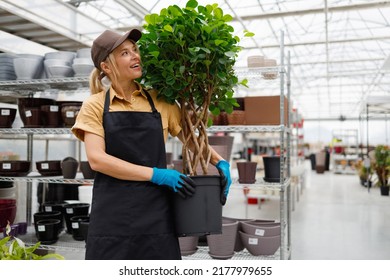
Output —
(98, 84)
(95, 83)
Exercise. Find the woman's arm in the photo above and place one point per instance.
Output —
(104, 163)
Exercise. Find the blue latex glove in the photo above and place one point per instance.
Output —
(178, 182)
(224, 170)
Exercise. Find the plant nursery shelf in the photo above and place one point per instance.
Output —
(26, 86)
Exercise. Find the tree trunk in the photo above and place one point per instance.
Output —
(195, 148)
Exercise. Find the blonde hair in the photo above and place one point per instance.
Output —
(96, 83)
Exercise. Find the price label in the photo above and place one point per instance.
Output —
(41, 228)
(70, 114)
(6, 166)
(253, 241)
(5, 112)
(45, 166)
(75, 225)
(28, 114)
(53, 108)
(259, 232)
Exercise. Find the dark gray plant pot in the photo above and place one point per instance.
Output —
(200, 214)
(271, 168)
(384, 190)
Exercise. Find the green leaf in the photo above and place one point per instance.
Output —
(230, 54)
(168, 28)
(219, 42)
(218, 12)
(206, 50)
(192, 4)
(227, 18)
(249, 34)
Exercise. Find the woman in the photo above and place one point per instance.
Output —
(124, 129)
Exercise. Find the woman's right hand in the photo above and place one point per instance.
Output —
(177, 181)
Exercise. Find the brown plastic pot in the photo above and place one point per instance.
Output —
(247, 172)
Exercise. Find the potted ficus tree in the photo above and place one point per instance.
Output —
(188, 55)
(382, 168)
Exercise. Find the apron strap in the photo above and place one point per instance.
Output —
(107, 102)
(150, 100)
(154, 110)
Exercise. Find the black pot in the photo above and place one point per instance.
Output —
(200, 214)
(47, 230)
(56, 215)
(53, 206)
(77, 231)
(384, 190)
(271, 168)
(74, 209)
(86, 170)
(313, 161)
(84, 226)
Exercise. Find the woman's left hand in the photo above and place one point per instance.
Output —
(224, 170)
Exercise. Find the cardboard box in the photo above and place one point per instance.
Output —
(264, 110)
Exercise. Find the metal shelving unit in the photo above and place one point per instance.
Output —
(283, 132)
(20, 88)
(345, 163)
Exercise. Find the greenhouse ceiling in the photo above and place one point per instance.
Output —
(339, 49)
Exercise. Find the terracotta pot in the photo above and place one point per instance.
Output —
(237, 117)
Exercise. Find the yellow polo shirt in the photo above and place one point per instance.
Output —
(90, 117)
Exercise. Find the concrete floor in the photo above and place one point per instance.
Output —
(338, 219)
(335, 218)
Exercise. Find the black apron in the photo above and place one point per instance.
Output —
(132, 219)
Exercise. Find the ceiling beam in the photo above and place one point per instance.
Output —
(14, 44)
(58, 16)
(332, 9)
(134, 8)
(321, 42)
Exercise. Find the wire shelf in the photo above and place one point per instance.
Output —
(47, 179)
(66, 243)
(35, 131)
(248, 128)
(24, 86)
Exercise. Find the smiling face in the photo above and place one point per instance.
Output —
(128, 61)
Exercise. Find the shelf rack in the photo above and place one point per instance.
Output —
(26, 86)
